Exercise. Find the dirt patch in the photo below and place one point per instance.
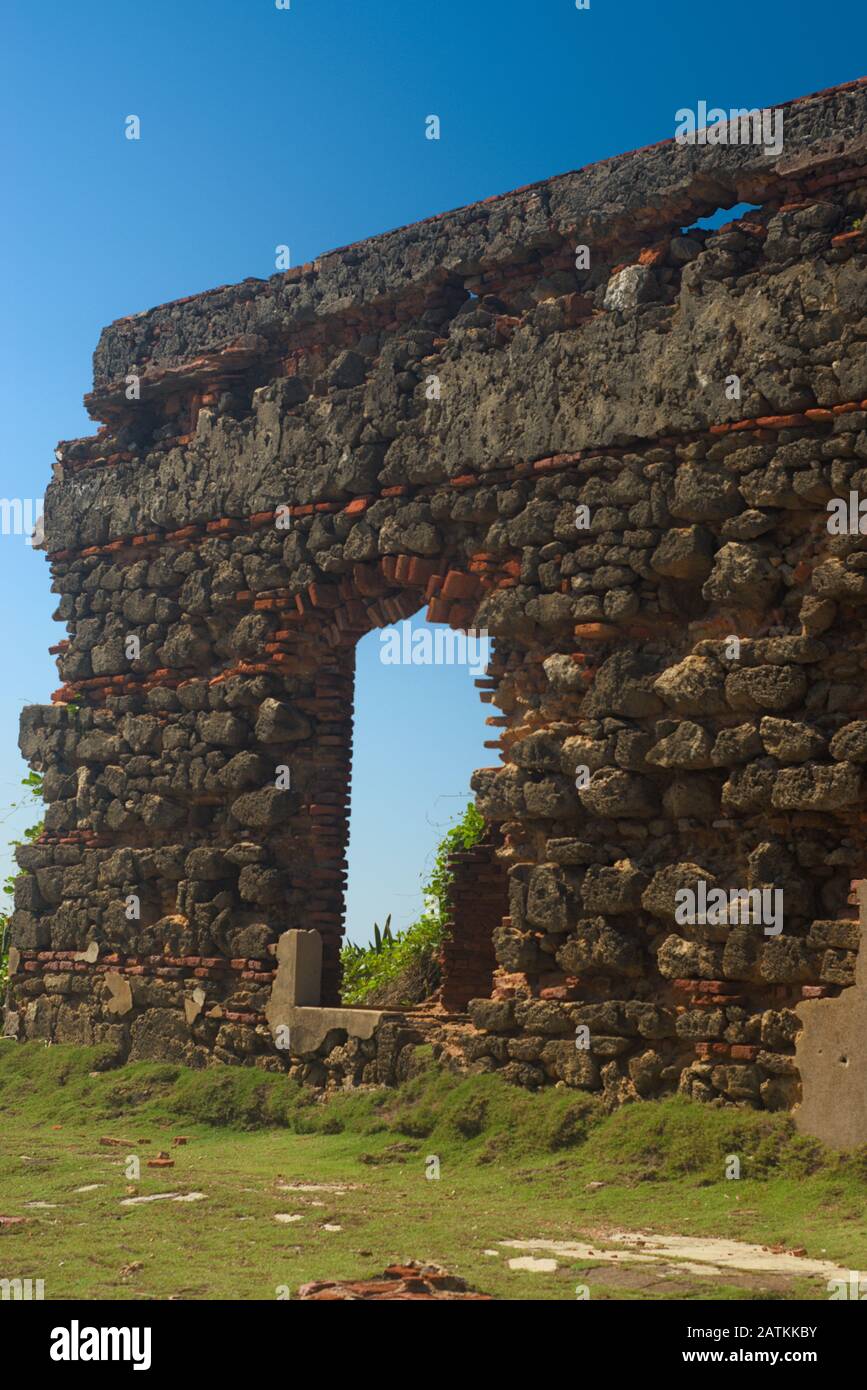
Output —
(680, 1255)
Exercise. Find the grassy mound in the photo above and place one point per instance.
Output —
(481, 1117)
(274, 1185)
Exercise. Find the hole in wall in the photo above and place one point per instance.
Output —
(419, 733)
(720, 217)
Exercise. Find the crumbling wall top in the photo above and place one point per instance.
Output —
(643, 190)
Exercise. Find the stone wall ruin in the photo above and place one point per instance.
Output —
(417, 419)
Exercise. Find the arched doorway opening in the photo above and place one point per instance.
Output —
(419, 733)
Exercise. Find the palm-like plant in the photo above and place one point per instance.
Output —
(383, 938)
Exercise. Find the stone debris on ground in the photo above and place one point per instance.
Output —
(533, 1264)
(163, 1197)
(708, 1255)
(408, 1282)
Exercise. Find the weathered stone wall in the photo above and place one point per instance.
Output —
(284, 465)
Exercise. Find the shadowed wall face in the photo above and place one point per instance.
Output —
(555, 416)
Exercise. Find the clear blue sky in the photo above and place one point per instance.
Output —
(306, 127)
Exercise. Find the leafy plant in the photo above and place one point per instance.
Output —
(384, 939)
(389, 955)
(33, 783)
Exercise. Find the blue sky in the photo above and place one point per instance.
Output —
(306, 127)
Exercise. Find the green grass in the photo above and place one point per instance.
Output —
(512, 1165)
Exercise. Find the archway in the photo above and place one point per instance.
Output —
(418, 736)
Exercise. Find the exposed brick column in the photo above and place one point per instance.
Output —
(478, 900)
(328, 810)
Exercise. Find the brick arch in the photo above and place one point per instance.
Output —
(329, 620)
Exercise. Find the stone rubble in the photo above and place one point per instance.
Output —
(412, 1281)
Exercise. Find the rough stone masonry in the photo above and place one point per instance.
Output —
(614, 459)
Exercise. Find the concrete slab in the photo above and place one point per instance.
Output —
(831, 1055)
(295, 996)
